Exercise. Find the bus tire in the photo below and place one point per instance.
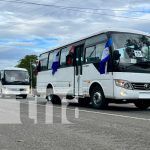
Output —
(142, 104)
(24, 96)
(84, 101)
(97, 98)
(51, 97)
(56, 99)
(49, 93)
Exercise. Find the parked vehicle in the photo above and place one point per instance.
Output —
(14, 81)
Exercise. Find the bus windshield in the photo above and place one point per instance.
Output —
(16, 76)
(134, 49)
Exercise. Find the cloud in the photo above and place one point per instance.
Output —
(27, 29)
(6, 63)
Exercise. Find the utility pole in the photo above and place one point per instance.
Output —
(31, 76)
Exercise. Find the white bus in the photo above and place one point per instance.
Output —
(14, 82)
(112, 66)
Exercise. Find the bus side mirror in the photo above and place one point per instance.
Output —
(116, 55)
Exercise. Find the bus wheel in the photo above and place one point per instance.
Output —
(54, 99)
(51, 97)
(24, 96)
(142, 104)
(97, 98)
(49, 94)
(84, 101)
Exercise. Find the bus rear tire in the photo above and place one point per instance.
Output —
(84, 101)
(54, 99)
(98, 99)
(142, 104)
(24, 96)
(51, 97)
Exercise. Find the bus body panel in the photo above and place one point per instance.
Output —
(91, 75)
(61, 81)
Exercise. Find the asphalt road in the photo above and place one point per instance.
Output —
(37, 125)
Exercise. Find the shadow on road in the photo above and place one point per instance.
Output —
(111, 107)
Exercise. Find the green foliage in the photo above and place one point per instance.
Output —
(29, 63)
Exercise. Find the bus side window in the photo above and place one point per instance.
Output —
(38, 67)
(99, 50)
(94, 53)
(50, 61)
(63, 57)
(44, 61)
(94, 48)
(70, 56)
(90, 54)
(43, 64)
(69, 59)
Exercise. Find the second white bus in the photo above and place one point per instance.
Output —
(14, 82)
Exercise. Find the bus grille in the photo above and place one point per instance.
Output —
(141, 86)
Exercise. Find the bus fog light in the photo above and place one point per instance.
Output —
(123, 93)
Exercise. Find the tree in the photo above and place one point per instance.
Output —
(29, 63)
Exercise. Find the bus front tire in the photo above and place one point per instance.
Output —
(142, 104)
(98, 99)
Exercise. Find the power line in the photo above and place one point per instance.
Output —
(70, 7)
(77, 9)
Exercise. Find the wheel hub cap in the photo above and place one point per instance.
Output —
(97, 98)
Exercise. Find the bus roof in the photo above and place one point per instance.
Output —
(14, 68)
(126, 30)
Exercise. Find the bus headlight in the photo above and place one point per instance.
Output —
(124, 84)
(28, 90)
(4, 88)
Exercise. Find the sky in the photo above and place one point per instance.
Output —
(27, 27)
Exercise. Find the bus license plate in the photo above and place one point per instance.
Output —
(144, 95)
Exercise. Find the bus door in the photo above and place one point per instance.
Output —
(78, 59)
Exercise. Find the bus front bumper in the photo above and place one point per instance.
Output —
(13, 91)
(121, 93)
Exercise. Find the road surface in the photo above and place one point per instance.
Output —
(37, 125)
